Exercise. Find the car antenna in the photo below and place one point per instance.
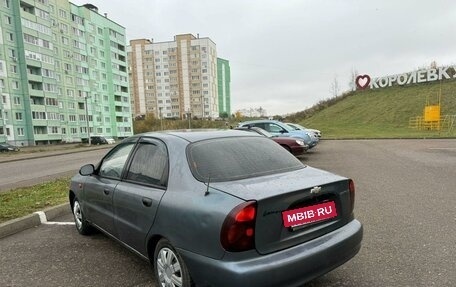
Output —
(206, 193)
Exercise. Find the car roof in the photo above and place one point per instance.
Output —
(201, 134)
(260, 121)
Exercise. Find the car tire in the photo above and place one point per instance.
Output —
(169, 267)
(82, 225)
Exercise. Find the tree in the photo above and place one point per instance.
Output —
(224, 115)
(335, 87)
(352, 83)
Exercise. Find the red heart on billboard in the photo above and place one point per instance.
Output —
(362, 81)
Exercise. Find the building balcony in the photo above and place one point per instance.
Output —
(32, 62)
(54, 137)
(41, 137)
(38, 108)
(41, 123)
(35, 78)
(36, 93)
(27, 15)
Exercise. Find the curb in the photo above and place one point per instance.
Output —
(37, 155)
(32, 220)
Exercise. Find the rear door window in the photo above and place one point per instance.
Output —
(149, 164)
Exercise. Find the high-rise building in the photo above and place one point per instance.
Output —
(224, 84)
(63, 73)
(174, 79)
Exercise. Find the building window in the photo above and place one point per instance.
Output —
(17, 100)
(6, 3)
(62, 13)
(15, 85)
(20, 131)
(19, 116)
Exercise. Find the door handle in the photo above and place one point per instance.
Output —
(106, 191)
(147, 201)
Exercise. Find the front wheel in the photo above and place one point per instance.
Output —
(169, 267)
(82, 225)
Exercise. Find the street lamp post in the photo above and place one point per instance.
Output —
(161, 118)
(189, 116)
(87, 119)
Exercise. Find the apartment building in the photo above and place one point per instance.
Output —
(174, 79)
(63, 73)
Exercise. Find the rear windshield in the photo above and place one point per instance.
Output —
(226, 159)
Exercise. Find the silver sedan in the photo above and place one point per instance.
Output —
(218, 208)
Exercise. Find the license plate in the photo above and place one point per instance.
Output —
(309, 214)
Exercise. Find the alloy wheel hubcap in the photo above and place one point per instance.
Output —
(77, 214)
(169, 269)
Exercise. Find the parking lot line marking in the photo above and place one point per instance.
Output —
(444, 148)
(58, 223)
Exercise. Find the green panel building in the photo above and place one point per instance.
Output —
(63, 73)
(224, 92)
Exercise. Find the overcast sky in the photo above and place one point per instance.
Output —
(284, 54)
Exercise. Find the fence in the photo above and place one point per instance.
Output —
(445, 123)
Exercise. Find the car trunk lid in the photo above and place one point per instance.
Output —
(295, 193)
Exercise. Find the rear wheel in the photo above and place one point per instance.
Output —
(82, 225)
(169, 268)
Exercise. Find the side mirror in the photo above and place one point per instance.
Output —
(87, 170)
(283, 131)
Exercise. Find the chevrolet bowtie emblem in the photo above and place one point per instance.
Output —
(315, 190)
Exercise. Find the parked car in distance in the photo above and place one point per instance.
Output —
(213, 209)
(299, 127)
(280, 129)
(294, 145)
(4, 147)
(110, 140)
(97, 140)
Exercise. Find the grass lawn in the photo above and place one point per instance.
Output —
(23, 201)
(385, 113)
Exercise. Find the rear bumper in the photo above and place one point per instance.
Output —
(290, 267)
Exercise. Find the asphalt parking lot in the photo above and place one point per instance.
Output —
(405, 198)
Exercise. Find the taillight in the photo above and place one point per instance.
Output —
(351, 188)
(238, 229)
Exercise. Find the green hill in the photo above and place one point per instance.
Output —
(382, 113)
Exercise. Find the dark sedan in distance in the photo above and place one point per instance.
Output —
(294, 145)
(210, 208)
(4, 147)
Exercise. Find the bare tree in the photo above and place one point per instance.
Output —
(335, 87)
(353, 75)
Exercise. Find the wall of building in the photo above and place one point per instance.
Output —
(224, 86)
(71, 73)
(174, 79)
